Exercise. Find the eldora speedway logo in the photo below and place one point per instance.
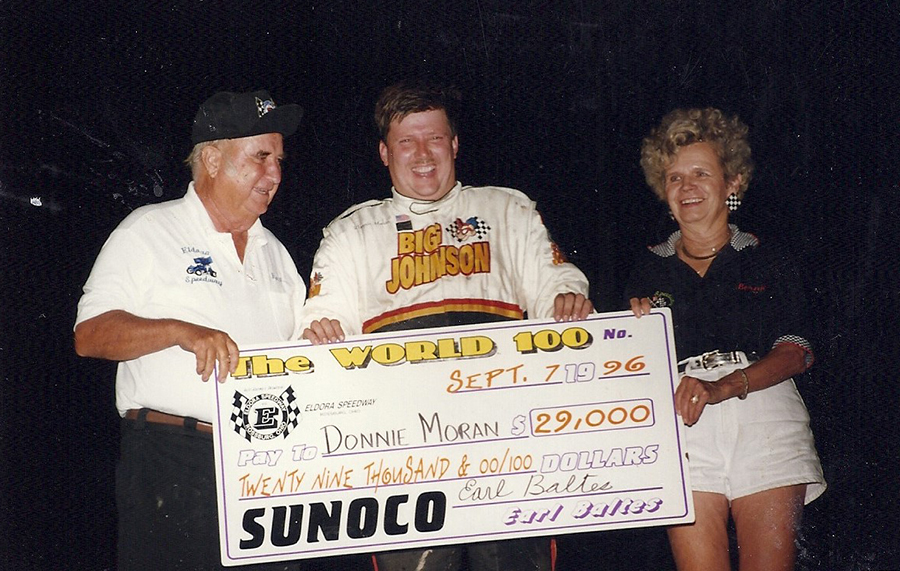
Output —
(265, 416)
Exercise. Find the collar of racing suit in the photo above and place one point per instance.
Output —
(418, 207)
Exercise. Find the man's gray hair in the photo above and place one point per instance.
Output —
(193, 159)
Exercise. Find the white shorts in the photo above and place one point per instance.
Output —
(740, 447)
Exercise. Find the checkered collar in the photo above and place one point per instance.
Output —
(739, 241)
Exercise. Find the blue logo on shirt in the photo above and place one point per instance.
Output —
(202, 267)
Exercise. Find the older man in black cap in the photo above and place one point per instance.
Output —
(174, 291)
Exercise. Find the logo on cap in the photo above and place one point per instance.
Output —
(263, 107)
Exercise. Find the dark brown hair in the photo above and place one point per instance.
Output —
(405, 98)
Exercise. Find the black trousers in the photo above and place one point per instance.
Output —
(166, 497)
(525, 554)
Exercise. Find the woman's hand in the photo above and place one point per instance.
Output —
(640, 306)
(782, 362)
(692, 396)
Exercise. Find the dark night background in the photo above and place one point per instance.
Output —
(96, 103)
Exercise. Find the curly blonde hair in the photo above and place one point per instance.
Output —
(683, 127)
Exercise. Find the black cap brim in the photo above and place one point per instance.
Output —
(284, 119)
(228, 115)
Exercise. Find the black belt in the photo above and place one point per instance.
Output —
(155, 417)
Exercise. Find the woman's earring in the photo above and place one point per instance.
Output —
(732, 202)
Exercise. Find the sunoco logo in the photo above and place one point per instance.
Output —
(265, 416)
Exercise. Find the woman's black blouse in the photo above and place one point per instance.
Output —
(750, 299)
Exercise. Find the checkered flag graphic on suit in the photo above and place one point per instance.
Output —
(237, 416)
(473, 227)
(481, 227)
(293, 410)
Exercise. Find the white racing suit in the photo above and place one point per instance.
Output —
(479, 254)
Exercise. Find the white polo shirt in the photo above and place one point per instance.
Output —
(168, 261)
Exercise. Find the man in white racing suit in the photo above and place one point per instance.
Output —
(438, 253)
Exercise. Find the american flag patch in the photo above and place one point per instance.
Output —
(403, 222)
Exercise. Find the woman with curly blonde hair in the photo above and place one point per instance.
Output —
(740, 335)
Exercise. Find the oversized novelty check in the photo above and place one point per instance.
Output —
(447, 436)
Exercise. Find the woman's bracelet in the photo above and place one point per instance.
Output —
(743, 394)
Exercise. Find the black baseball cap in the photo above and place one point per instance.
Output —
(228, 115)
